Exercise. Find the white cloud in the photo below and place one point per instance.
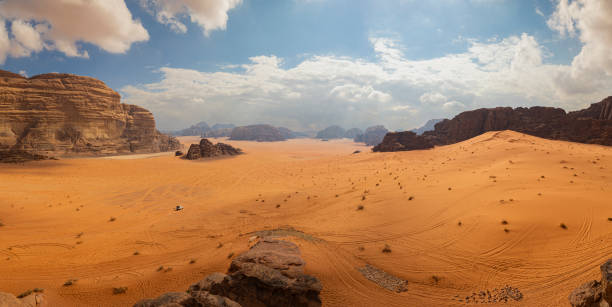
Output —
(210, 15)
(392, 90)
(590, 21)
(36, 25)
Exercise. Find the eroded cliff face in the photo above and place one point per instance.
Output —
(64, 115)
(592, 125)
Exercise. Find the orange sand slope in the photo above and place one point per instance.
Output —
(57, 219)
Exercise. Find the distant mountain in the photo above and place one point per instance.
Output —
(218, 133)
(331, 132)
(259, 133)
(429, 125)
(352, 133)
(372, 136)
(197, 129)
(222, 126)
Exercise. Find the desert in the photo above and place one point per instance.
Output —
(109, 223)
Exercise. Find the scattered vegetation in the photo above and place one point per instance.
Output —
(119, 290)
(136, 253)
(360, 207)
(69, 282)
(79, 235)
(112, 219)
(506, 230)
(192, 261)
(562, 225)
(411, 198)
(610, 219)
(28, 292)
(435, 279)
(459, 223)
(219, 245)
(230, 255)
(386, 249)
(504, 222)
(161, 268)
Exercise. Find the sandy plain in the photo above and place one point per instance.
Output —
(440, 211)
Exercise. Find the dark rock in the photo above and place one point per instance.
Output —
(19, 156)
(372, 136)
(401, 141)
(182, 299)
(178, 153)
(206, 149)
(259, 133)
(606, 279)
(271, 273)
(352, 133)
(592, 125)
(331, 132)
(33, 299)
(587, 295)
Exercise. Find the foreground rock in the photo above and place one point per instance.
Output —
(259, 133)
(271, 273)
(595, 293)
(34, 299)
(372, 136)
(592, 125)
(206, 149)
(69, 115)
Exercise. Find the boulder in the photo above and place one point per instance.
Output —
(271, 273)
(35, 299)
(259, 133)
(182, 299)
(69, 115)
(595, 293)
(206, 149)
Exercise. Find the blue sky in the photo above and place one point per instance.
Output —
(309, 64)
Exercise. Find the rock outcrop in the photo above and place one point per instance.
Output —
(331, 132)
(352, 133)
(592, 125)
(401, 141)
(32, 299)
(259, 133)
(271, 273)
(595, 293)
(206, 149)
(372, 136)
(68, 115)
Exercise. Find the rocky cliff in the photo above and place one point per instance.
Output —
(592, 125)
(259, 133)
(206, 149)
(65, 115)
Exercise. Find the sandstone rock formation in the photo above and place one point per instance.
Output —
(271, 273)
(429, 125)
(592, 125)
(401, 141)
(352, 133)
(33, 299)
(259, 133)
(206, 149)
(182, 299)
(372, 136)
(595, 293)
(331, 132)
(198, 129)
(64, 115)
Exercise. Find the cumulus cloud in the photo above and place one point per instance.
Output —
(392, 89)
(210, 15)
(590, 21)
(30, 26)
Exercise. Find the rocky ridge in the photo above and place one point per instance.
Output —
(259, 133)
(271, 273)
(206, 149)
(592, 126)
(68, 115)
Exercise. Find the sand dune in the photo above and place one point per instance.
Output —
(440, 211)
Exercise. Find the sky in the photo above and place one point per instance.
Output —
(308, 64)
